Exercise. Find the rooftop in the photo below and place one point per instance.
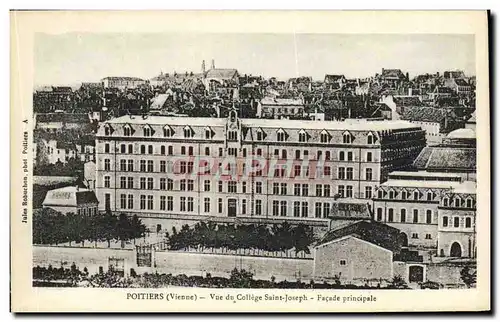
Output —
(466, 187)
(472, 118)
(71, 196)
(351, 124)
(122, 78)
(462, 134)
(224, 73)
(424, 174)
(420, 184)
(446, 157)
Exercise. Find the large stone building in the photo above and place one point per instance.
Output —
(197, 168)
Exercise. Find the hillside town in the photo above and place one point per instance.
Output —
(340, 182)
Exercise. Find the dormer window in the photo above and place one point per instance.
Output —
(208, 133)
(370, 139)
(445, 202)
(260, 135)
(429, 195)
(469, 203)
(281, 135)
(232, 136)
(127, 130)
(324, 137)
(168, 132)
(302, 136)
(404, 195)
(107, 130)
(457, 202)
(391, 194)
(347, 138)
(416, 195)
(148, 131)
(380, 194)
(188, 132)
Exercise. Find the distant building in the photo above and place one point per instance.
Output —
(72, 199)
(457, 154)
(279, 107)
(392, 77)
(459, 86)
(334, 81)
(89, 174)
(59, 121)
(53, 151)
(457, 222)
(122, 82)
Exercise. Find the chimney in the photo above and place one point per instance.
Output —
(203, 66)
(213, 64)
(77, 188)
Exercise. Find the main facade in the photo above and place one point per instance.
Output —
(196, 168)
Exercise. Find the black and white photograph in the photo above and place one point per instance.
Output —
(286, 161)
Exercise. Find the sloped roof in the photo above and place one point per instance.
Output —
(396, 73)
(407, 101)
(472, 118)
(462, 134)
(371, 231)
(124, 78)
(424, 114)
(158, 101)
(281, 101)
(333, 78)
(351, 208)
(222, 73)
(62, 117)
(446, 157)
(461, 82)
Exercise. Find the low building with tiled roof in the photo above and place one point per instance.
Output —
(72, 199)
(122, 82)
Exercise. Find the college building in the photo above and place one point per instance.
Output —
(162, 167)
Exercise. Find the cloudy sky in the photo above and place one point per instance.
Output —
(78, 57)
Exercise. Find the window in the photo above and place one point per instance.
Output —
(283, 208)
(170, 150)
(368, 192)
(107, 181)
(403, 215)
(243, 206)
(220, 186)
(305, 208)
(302, 137)
(206, 204)
(391, 194)
(326, 190)
(130, 149)
(456, 222)
(130, 201)
(428, 236)
(162, 150)
(163, 166)
(341, 173)
(327, 155)
(232, 135)
(305, 189)
(163, 183)
(258, 207)
(319, 190)
(163, 203)
(390, 215)
(130, 182)
(190, 149)
(143, 202)
(188, 133)
(283, 154)
(190, 185)
(317, 209)
(414, 235)
(123, 201)
(348, 193)
(283, 189)
(170, 184)
(370, 139)
(327, 171)
(415, 216)
(276, 207)
(143, 149)
(343, 262)
(207, 150)
(349, 173)
(107, 165)
(445, 221)
(429, 196)
(150, 149)
(150, 166)
(183, 184)
(206, 185)
(404, 195)
(183, 150)
(208, 134)
(369, 157)
(231, 187)
(296, 208)
(142, 183)
(349, 156)
(106, 148)
(170, 203)
(469, 203)
(324, 138)
(428, 216)
(142, 165)
(167, 132)
(130, 165)
(341, 191)
(281, 136)
(341, 155)
(380, 212)
(457, 202)
(258, 187)
(107, 130)
(276, 188)
(260, 136)
(445, 202)
(123, 182)
(326, 210)
(127, 131)
(416, 195)
(147, 131)
(347, 138)
(182, 204)
(468, 222)
(369, 174)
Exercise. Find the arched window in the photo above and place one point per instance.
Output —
(341, 155)
(208, 134)
(188, 133)
(126, 131)
(445, 221)
(445, 202)
(347, 138)
(469, 203)
(391, 193)
(167, 132)
(147, 131)
(429, 195)
(232, 135)
(468, 222)
(416, 195)
(302, 136)
(370, 139)
(457, 202)
(324, 138)
(456, 222)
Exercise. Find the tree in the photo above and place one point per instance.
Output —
(468, 274)
(123, 229)
(398, 282)
(107, 224)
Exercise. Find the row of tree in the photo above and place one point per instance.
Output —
(279, 237)
(52, 227)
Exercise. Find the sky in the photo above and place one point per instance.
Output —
(69, 59)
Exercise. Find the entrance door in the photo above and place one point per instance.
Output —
(416, 274)
(231, 207)
(456, 250)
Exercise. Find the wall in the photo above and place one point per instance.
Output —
(363, 260)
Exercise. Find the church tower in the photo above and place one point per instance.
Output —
(213, 64)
